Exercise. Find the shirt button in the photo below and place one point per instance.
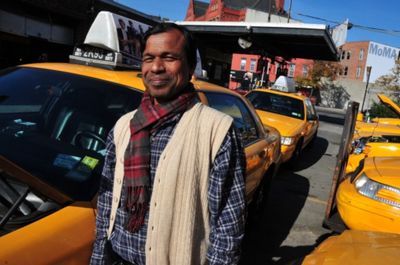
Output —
(141, 248)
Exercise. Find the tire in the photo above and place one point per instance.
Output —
(257, 206)
(296, 154)
(313, 139)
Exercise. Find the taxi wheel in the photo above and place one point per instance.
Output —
(258, 204)
(296, 154)
(313, 139)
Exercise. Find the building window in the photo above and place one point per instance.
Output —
(242, 64)
(253, 63)
(358, 72)
(348, 55)
(305, 70)
(343, 54)
(292, 68)
(346, 69)
(361, 55)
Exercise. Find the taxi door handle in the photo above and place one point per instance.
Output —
(263, 153)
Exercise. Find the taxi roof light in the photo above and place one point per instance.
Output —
(113, 41)
(284, 84)
(103, 32)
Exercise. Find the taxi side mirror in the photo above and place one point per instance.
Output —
(311, 117)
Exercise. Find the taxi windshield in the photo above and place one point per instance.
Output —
(54, 125)
(279, 104)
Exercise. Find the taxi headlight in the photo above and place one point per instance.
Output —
(377, 191)
(287, 140)
(366, 186)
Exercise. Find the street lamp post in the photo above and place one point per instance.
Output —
(269, 12)
(366, 86)
(290, 9)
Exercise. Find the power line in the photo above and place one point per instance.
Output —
(373, 29)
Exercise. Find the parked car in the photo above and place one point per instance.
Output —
(371, 146)
(54, 120)
(367, 127)
(354, 247)
(369, 197)
(293, 115)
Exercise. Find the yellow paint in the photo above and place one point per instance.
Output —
(354, 247)
(380, 126)
(64, 237)
(363, 213)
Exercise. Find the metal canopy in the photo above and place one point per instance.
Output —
(288, 40)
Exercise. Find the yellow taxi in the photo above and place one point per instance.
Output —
(371, 146)
(353, 247)
(369, 197)
(366, 127)
(54, 120)
(293, 115)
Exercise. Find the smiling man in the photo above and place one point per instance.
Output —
(181, 165)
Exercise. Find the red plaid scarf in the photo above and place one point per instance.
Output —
(148, 118)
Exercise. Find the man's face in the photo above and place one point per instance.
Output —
(165, 68)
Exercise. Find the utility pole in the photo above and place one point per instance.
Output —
(290, 9)
(269, 12)
(366, 86)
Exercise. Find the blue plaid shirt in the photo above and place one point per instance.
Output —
(226, 195)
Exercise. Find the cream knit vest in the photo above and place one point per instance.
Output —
(178, 226)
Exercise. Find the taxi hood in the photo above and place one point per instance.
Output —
(384, 170)
(287, 126)
(389, 103)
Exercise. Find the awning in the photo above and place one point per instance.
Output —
(289, 40)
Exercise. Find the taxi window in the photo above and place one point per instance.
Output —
(279, 104)
(310, 108)
(55, 125)
(241, 115)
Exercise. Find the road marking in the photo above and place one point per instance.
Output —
(314, 199)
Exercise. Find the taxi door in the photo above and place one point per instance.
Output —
(312, 123)
(254, 138)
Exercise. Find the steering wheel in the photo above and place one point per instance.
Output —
(88, 134)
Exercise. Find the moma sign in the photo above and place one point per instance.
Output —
(382, 59)
(384, 51)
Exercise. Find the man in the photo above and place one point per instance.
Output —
(183, 195)
(133, 39)
(123, 36)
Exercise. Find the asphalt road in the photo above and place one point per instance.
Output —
(290, 225)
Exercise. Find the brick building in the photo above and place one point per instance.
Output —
(353, 58)
(230, 10)
(356, 56)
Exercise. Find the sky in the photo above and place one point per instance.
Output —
(382, 14)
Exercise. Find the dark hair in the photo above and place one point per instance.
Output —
(190, 46)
